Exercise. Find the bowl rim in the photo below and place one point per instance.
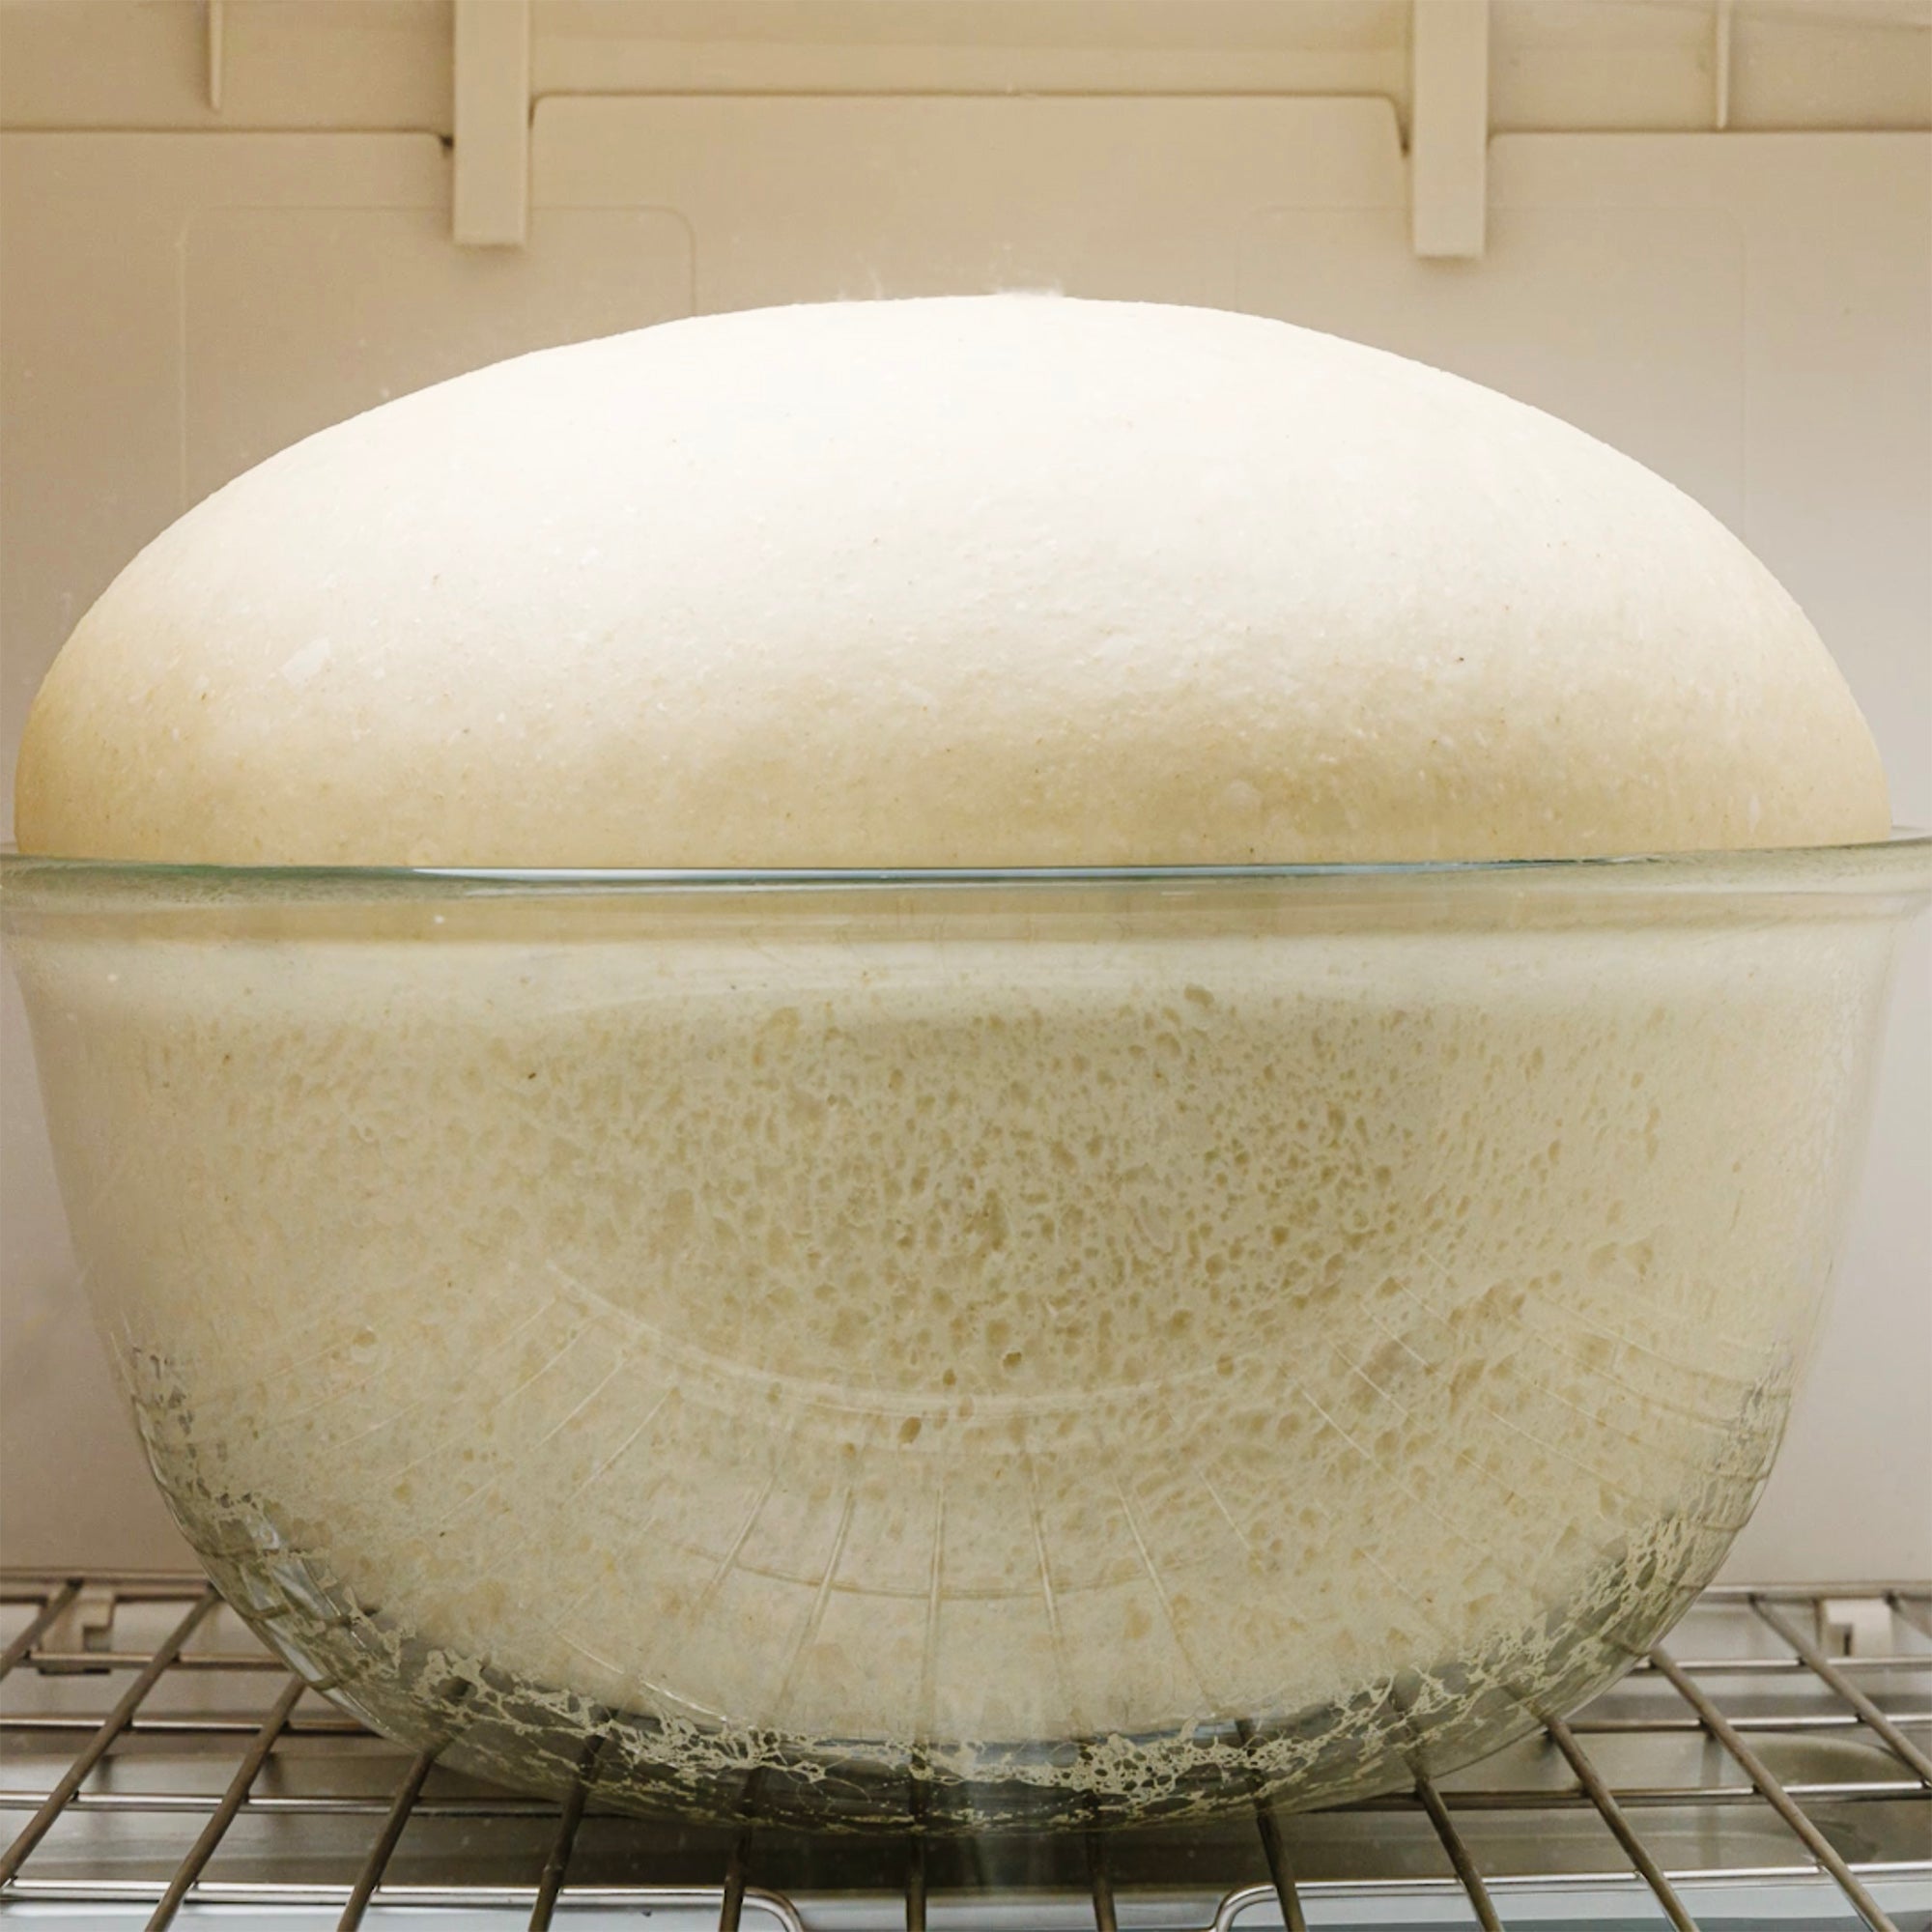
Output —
(1900, 862)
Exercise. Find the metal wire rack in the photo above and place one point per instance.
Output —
(156, 1756)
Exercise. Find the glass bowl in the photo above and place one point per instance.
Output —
(965, 1349)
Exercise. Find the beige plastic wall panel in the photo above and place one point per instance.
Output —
(388, 305)
(92, 233)
(813, 199)
(1819, 68)
(974, 47)
(1633, 65)
(143, 64)
(1637, 65)
(1626, 322)
(104, 64)
(1834, 368)
(175, 307)
(385, 64)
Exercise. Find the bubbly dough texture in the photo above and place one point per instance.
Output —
(1025, 1342)
(993, 581)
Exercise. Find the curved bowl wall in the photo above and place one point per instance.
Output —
(984, 1348)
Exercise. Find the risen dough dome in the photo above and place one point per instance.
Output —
(998, 580)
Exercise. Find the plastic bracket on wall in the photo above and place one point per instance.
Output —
(490, 197)
(1855, 1627)
(1449, 131)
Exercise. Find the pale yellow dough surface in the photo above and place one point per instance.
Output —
(993, 581)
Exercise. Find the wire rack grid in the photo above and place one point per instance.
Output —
(137, 1708)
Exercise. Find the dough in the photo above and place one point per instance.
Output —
(1008, 579)
(719, 1338)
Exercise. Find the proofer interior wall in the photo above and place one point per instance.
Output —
(1749, 313)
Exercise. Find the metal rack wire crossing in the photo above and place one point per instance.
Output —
(736, 1894)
